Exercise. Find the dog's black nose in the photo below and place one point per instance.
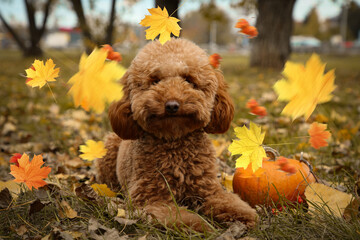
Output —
(172, 106)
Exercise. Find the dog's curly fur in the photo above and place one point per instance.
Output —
(154, 147)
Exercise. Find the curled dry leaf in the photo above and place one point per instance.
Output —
(331, 200)
(67, 211)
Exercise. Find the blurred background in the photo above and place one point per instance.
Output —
(326, 26)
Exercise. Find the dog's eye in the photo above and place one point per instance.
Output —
(155, 81)
(190, 80)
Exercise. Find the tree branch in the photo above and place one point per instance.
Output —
(13, 34)
(31, 19)
(79, 10)
(46, 14)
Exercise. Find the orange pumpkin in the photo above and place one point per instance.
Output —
(284, 177)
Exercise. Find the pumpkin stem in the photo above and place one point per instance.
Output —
(271, 153)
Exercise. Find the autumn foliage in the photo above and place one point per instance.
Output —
(30, 173)
(318, 135)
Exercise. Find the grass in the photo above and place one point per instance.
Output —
(57, 130)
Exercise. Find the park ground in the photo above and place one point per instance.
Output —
(31, 121)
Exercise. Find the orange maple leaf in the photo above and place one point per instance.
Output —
(255, 109)
(30, 173)
(318, 135)
(242, 23)
(285, 166)
(15, 158)
(214, 60)
(252, 103)
(250, 31)
(112, 55)
(245, 28)
(259, 111)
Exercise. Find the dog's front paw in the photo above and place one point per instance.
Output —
(246, 215)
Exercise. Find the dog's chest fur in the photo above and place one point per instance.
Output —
(184, 164)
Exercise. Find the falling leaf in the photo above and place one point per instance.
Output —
(67, 211)
(96, 82)
(111, 54)
(318, 135)
(251, 103)
(285, 166)
(255, 109)
(30, 173)
(305, 87)
(245, 28)
(103, 190)
(40, 74)
(242, 23)
(214, 60)
(259, 111)
(333, 201)
(249, 146)
(92, 150)
(250, 31)
(160, 23)
(15, 158)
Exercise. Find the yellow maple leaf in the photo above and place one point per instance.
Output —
(103, 190)
(304, 87)
(160, 23)
(39, 74)
(249, 146)
(92, 150)
(331, 200)
(96, 82)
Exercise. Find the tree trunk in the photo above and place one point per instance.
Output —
(34, 49)
(89, 42)
(271, 48)
(110, 28)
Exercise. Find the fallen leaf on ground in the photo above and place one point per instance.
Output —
(5, 198)
(331, 200)
(103, 190)
(304, 87)
(13, 187)
(160, 23)
(227, 181)
(249, 146)
(67, 211)
(30, 173)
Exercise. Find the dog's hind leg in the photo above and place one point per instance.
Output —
(106, 166)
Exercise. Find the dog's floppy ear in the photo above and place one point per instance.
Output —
(120, 116)
(223, 111)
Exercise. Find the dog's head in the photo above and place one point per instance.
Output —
(171, 90)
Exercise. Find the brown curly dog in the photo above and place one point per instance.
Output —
(172, 99)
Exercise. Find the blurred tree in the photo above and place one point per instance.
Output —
(353, 20)
(271, 48)
(35, 33)
(89, 40)
(201, 31)
(310, 26)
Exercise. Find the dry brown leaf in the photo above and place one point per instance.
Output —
(67, 211)
(13, 187)
(21, 230)
(332, 200)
